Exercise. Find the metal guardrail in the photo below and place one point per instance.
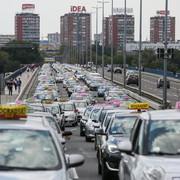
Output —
(25, 92)
(158, 72)
(154, 101)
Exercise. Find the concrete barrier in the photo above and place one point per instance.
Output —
(28, 86)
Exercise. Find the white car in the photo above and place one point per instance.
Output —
(153, 149)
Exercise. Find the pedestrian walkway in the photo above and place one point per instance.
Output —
(6, 98)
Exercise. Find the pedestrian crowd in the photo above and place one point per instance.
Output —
(13, 82)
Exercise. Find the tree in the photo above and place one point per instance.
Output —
(4, 58)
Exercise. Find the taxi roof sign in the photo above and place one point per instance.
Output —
(139, 106)
(62, 100)
(13, 111)
(48, 102)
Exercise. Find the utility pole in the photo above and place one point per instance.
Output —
(140, 49)
(102, 35)
(91, 40)
(112, 24)
(165, 58)
(87, 34)
(124, 45)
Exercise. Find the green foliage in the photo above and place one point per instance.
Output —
(4, 57)
(20, 52)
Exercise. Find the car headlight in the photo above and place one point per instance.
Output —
(112, 148)
(153, 173)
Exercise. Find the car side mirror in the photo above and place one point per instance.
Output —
(95, 121)
(74, 160)
(100, 131)
(67, 133)
(125, 146)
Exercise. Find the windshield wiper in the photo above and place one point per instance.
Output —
(7, 168)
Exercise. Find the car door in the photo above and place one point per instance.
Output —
(129, 162)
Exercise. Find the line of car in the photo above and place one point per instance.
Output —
(129, 143)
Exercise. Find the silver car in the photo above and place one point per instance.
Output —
(30, 149)
(153, 149)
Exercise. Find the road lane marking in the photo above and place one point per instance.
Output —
(75, 173)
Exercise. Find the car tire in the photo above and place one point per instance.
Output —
(87, 139)
(168, 87)
(81, 133)
(95, 148)
(106, 175)
(99, 167)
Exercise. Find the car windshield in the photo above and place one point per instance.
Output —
(67, 107)
(122, 125)
(95, 114)
(164, 137)
(80, 104)
(30, 149)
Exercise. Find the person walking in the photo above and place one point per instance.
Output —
(28, 69)
(19, 82)
(11, 83)
(15, 84)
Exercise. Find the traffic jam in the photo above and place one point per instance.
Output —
(130, 140)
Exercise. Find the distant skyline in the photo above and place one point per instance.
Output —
(50, 12)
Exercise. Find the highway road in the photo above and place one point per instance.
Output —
(78, 145)
(149, 84)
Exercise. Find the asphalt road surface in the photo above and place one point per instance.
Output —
(78, 145)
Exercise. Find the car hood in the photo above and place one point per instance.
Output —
(170, 164)
(32, 175)
(81, 110)
(114, 139)
(67, 113)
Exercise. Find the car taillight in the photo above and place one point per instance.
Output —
(137, 78)
(129, 78)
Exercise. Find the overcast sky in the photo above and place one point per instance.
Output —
(51, 10)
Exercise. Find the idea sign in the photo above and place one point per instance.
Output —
(162, 12)
(28, 6)
(78, 9)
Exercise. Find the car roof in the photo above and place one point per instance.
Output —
(173, 114)
(30, 123)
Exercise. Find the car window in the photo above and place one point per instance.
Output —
(33, 149)
(108, 118)
(164, 137)
(53, 124)
(67, 107)
(122, 125)
(80, 104)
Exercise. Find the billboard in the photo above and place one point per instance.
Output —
(78, 9)
(162, 12)
(122, 10)
(28, 6)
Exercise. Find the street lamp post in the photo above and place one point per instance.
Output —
(91, 41)
(140, 49)
(102, 35)
(165, 58)
(124, 44)
(96, 34)
(112, 44)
